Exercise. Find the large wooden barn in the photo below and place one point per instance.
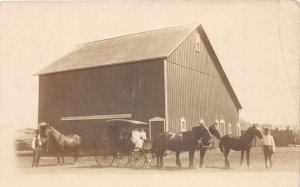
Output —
(169, 78)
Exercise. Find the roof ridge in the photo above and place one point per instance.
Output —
(137, 33)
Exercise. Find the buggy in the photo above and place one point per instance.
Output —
(117, 147)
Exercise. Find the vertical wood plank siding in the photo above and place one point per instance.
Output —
(195, 88)
(134, 88)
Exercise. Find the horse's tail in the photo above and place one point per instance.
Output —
(221, 146)
(154, 146)
(158, 144)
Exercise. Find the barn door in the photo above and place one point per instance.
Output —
(156, 126)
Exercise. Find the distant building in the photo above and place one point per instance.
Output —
(169, 77)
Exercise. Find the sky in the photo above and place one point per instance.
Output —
(257, 43)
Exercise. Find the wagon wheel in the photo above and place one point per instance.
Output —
(151, 160)
(104, 160)
(138, 158)
(104, 155)
(122, 159)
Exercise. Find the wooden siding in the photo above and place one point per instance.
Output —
(195, 88)
(135, 88)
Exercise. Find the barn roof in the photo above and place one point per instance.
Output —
(130, 48)
(155, 44)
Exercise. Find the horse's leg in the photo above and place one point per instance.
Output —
(61, 154)
(157, 160)
(75, 154)
(202, 153)
(58, 160)
(191, 158)
(242, 157)
(226, 153)
(248, 157)
(161, 161)
(178, 163)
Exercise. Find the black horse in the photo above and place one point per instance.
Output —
(242, 143)
(185, 141)
(214, 131)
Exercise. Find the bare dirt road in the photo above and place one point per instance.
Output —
(284, 173)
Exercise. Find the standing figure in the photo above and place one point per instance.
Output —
(138, 137)
(36, 145)
(269, 147)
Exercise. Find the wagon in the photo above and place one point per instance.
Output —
(117, 147)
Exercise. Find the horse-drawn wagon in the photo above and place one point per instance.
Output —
(118, 148)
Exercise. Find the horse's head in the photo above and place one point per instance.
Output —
(254, 129)
(214, 131)
(48, 130)
(201, 132)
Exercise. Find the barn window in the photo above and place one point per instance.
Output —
(182, 125)
(238, 129)
(222, 127)
(229, 128)
(197, 42)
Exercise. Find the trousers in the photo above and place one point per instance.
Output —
(36, 156)
(268, 152)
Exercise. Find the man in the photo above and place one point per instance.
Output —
(138, 137)
(269, 147)
(201, 122)
(36, 145)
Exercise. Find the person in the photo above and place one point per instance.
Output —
(268, 147)
(201, 122)
(36, 145)
(138, 137)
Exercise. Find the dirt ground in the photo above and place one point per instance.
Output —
(285, 171)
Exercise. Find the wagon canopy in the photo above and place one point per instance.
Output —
(116, 127)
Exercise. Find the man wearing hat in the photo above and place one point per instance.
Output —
(36, 145)
(269, 147)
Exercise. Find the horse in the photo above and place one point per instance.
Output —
(213, 131)
(242, 143)
(62, 141)
(184, 141)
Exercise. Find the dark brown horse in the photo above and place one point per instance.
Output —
(213, 131)
(185, 141)
(242, 143)
(72, 141)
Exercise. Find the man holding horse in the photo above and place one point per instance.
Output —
(269, 147)
(36, 145)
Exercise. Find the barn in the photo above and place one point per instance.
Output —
(169, 78)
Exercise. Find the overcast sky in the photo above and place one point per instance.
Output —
(257, 43)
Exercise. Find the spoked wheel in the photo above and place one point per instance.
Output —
(104, 160)
(122, 160)
(151, 160)
(138, 158)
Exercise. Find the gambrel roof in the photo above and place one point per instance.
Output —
(156, 44)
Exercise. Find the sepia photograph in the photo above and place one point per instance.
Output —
(150, 93)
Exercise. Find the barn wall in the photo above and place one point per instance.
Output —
(133, 88)
(195, 89)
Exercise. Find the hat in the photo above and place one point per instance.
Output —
(42, 124)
